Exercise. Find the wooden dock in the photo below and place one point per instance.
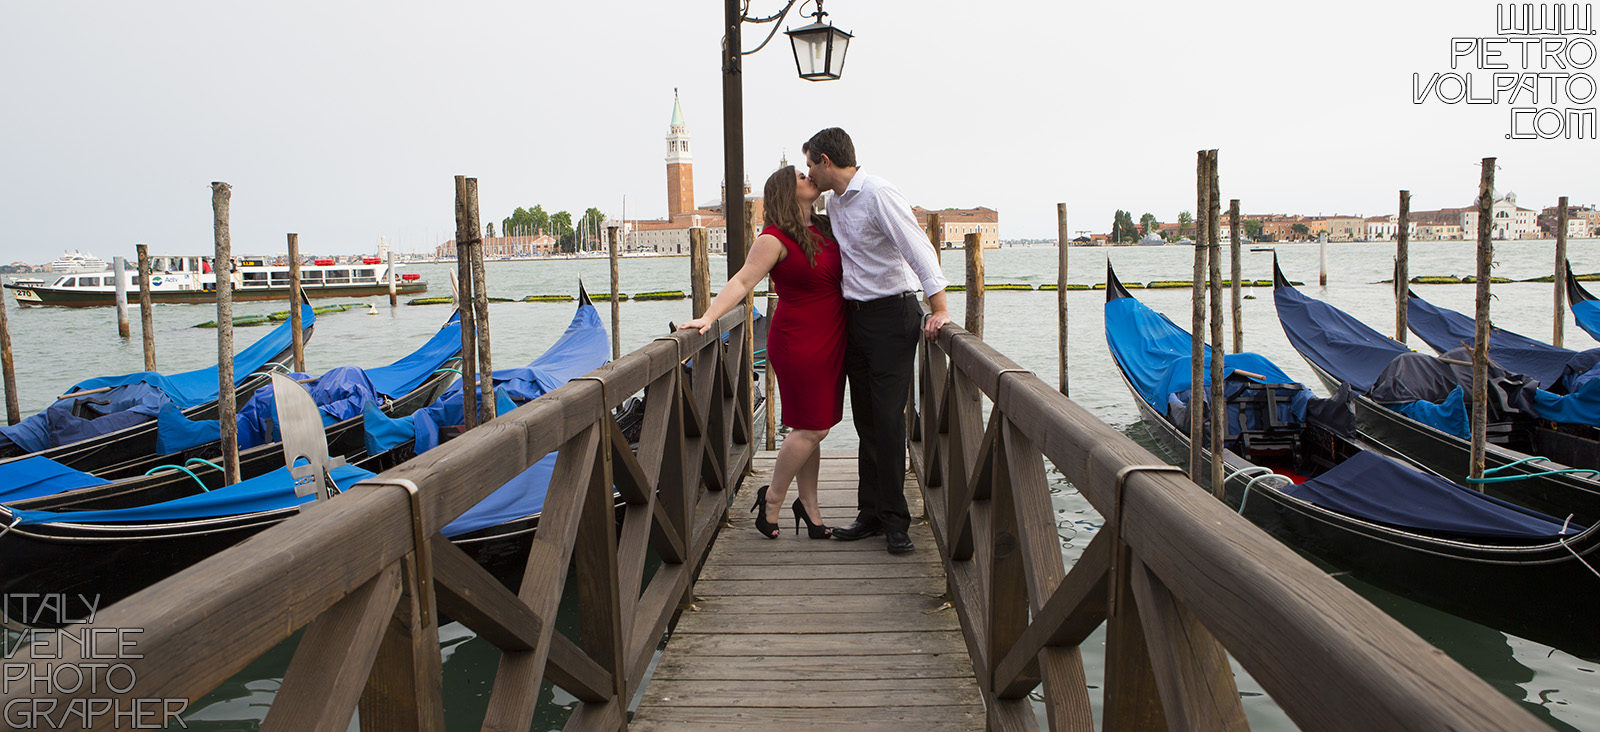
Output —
(793, 633)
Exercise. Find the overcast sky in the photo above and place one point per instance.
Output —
(345, 121)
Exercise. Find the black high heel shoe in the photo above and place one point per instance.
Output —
(767, 528)
(815, 531)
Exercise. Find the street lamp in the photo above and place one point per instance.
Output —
(814, 47)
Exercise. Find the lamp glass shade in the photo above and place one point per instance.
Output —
(819, 51)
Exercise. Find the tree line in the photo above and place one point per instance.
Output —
(571, 236)
(1124, 230)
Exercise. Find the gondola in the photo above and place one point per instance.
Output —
(1344, 352)
(1585, 307)
(111, 553)
(183, 464)
(1295, 466)
(111, 420)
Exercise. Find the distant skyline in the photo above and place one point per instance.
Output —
(345, 123)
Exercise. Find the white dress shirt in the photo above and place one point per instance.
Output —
(885, 253)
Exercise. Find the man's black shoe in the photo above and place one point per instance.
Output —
(899, 542)
(857, 530)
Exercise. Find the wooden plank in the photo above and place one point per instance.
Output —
(1192, 673)
(404, 691)
(814, 693)
(723, 620)
(827, 668)
(878, 644)
(323, 682)
(825, 588)
(808, 572)
(876, 719)
(843, 604)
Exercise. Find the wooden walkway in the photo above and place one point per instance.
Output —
(799, 634)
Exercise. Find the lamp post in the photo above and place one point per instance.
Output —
(819, 51)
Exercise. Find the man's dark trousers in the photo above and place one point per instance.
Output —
(879, 357)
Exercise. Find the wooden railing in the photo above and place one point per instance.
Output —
(1180, 580)
(368, 574)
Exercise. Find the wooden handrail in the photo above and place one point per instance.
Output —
(1182, 580)
(335, 567)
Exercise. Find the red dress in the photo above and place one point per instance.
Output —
(805, 341)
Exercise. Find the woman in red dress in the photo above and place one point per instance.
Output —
(805, 340)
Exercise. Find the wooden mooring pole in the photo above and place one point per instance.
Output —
(770, 381)
(222, 267)
(1063, 240)
(1197, 313)
(699, 270)
(480, 304)
(1234, 269)
(1402, 268)
(1559, 324)
(936, 236)
(394, 296)
(147, 314)
(296, 324)
(8, 368)
(1322, 257)
(616, 312)
(464, 304)
(119, 271)
(1480, 345)
(974, 242)
(1219, 406)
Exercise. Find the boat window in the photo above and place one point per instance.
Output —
(68, 282)
(337, 276)
(312, 274)
(366, 273)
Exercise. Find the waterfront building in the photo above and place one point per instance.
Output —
(1508, 220)
(502, 247)
(1582, 221)
(1345, 228)
(956, 223)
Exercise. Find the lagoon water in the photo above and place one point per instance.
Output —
(56, 347)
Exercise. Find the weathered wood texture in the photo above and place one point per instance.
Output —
(1233, 263)
(480, 306)
(147, 315)
(296, 337)
(699, 270)
(616, 281)
(466, 233)
(222, 265)
(368, 603)
(1063, 245)
(1559, 284)
(1185, 581)
(119, 267)
(1214, 286)
(974, 246)
(8, 368)
(790, 632)
(1480, 344)
(1402, 267)
(1197, 309)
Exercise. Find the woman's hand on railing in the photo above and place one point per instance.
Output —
(701, 324)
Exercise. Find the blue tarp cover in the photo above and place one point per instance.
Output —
(138, 397)
(1337, 343)
(405, 375)
(1446, 329)
(1377, 489)
(581, 349)
(1449, 415)
(1587, 313)
(40, 476)
(1155, 353)
(520, 497)
(266, 492)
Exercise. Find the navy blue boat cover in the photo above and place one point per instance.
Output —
(1342, 346)
(1155, 353)
(1446, 329)
(138, 397)
(340, 394)
(1377, 489)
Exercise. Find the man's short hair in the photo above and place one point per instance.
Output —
(834, 143)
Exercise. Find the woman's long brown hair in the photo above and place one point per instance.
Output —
(784, 211)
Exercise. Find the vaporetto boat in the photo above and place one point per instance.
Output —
(180, 279)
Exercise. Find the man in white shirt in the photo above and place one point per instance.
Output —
(887, 258)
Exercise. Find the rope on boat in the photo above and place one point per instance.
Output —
(203, 461)
(187, 471)
(1261, 473)
(1525, 476)
(1562, 541)
(457, 372)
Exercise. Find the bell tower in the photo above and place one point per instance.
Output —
(680, 165)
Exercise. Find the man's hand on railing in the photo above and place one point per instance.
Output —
(935, 321)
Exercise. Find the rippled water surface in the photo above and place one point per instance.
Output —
(58, 347)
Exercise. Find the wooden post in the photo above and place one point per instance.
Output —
(1402, 268)
(8, 369)
(1559, 325)
(1197, 320)
(974, 242)
(469, 337)
(1219, 405)
(1063, 240)
(936, 235)
(147, 315)
(1322, 257)
(699, 270)
(296, 337)
(747, 375)
(1238, 294)
(771, 385)
(119, 271)
(394, 297)
(222, 267)
(1480, 345)
(480, 304)
(616, 312)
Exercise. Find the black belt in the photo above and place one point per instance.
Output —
(880, 302)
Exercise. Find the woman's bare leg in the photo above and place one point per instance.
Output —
(807, 483)
(799, 447)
